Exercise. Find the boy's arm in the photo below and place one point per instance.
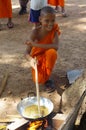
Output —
(29, 46)
(32, 61)
(27, 52)
(54, 45)
(56, 41)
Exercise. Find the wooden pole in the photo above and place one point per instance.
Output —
(37, 88)
(3, 84)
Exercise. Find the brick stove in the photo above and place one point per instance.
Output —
(47, 123)
(29, 125)
(22, 124)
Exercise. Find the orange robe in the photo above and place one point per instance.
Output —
(46, 58)
(5, 9)
(56, 2)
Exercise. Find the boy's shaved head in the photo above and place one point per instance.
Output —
(46, 10)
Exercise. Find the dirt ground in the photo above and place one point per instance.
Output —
(72, 55)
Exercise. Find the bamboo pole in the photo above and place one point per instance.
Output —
(3, 84)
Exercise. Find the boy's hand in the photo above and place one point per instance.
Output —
(28, 43)
(33, 62)
(31, 43)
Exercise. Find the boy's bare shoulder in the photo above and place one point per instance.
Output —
(36, 31)
(35, 34)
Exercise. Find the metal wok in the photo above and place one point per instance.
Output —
(26, 102)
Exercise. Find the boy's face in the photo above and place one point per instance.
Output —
(47, 21)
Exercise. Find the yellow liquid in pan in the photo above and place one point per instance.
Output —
(32, 111)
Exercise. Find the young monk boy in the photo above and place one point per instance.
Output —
(43, 45)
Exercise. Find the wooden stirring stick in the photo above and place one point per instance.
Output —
(37, 89)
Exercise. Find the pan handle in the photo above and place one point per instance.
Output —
(30, 94)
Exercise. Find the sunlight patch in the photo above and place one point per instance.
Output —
(83, 20)
(8, 58)
(81, 27)
(15, 6)
(82, 5)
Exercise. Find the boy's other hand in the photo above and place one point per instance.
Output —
(31, 43)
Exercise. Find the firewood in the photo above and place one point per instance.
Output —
(10, 118)
(17, 125)
(3, 84)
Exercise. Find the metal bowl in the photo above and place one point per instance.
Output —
(26, 102)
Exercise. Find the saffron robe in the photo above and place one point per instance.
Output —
(46, 58)
(5, 9)
(56, 2)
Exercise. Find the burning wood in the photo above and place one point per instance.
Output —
(34, 125)
(38, 124)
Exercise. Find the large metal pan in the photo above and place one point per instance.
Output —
(26, 102)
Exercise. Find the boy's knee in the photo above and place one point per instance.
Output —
(52, 51)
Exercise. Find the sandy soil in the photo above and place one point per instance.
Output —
(72, 55)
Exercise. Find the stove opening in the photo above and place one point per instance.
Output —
(42, 124)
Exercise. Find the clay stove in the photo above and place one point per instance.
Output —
(22, 124)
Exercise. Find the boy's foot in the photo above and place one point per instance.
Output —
(64, 14)
(56, 9)
(23, 11)
(50, 86)
(10, 25)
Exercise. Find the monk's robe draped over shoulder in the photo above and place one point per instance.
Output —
(5, 9)
(56, 2)
(46, 57)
